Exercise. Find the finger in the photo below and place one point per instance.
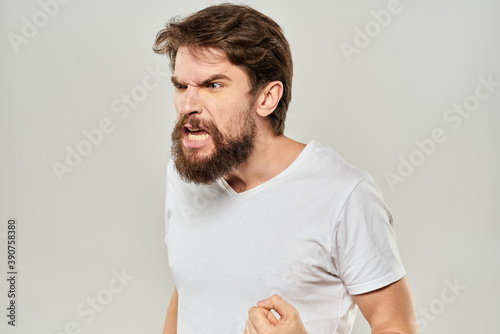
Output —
(259, 318)
(271, 317)
(277, 303)
(249, 328)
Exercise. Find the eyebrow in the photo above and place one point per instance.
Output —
(218, 76)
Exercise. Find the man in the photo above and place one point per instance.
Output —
(254, 215)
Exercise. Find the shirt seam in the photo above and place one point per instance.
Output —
(336, 223)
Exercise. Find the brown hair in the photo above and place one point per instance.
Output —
(250, 40)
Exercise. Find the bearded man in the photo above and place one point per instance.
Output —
(254, 215)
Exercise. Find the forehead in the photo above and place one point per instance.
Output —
(197, 64)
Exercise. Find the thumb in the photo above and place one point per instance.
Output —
(277, 303)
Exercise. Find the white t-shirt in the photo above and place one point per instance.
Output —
(315, 234)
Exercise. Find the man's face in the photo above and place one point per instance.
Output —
(215, 129)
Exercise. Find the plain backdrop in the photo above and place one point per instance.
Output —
(73, 69)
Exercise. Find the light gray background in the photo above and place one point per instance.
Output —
(107, 214)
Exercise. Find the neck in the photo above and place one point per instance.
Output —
(271, 155)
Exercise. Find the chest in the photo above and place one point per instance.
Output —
(250, 247)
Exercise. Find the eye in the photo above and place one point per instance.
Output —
(178, 85)
(214, 85)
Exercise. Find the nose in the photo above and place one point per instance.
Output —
(190, 102)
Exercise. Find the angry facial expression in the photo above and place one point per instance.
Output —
(215, 130)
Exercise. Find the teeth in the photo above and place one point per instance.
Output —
(197, 137)
(194, 129)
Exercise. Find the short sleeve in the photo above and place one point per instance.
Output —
(365, 251)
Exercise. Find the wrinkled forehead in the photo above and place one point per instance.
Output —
(200, 55)
(196, 64)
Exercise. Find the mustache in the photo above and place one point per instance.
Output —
(196, 122)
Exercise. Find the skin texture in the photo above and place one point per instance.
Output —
(209, 90)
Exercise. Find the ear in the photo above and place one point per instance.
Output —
(269, 97)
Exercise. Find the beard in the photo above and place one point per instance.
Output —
(229, 151)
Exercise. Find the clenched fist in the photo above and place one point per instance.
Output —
(262, 321)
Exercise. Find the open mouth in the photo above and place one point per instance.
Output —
(195, 137)
(197, 134)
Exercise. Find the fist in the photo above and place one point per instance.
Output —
(262, 321)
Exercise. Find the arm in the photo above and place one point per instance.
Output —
(171, 321)
(389, 309)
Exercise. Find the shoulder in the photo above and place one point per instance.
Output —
(325, 164)
(171, 169)
(183, 190)
(174, 180)
(172, 175)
